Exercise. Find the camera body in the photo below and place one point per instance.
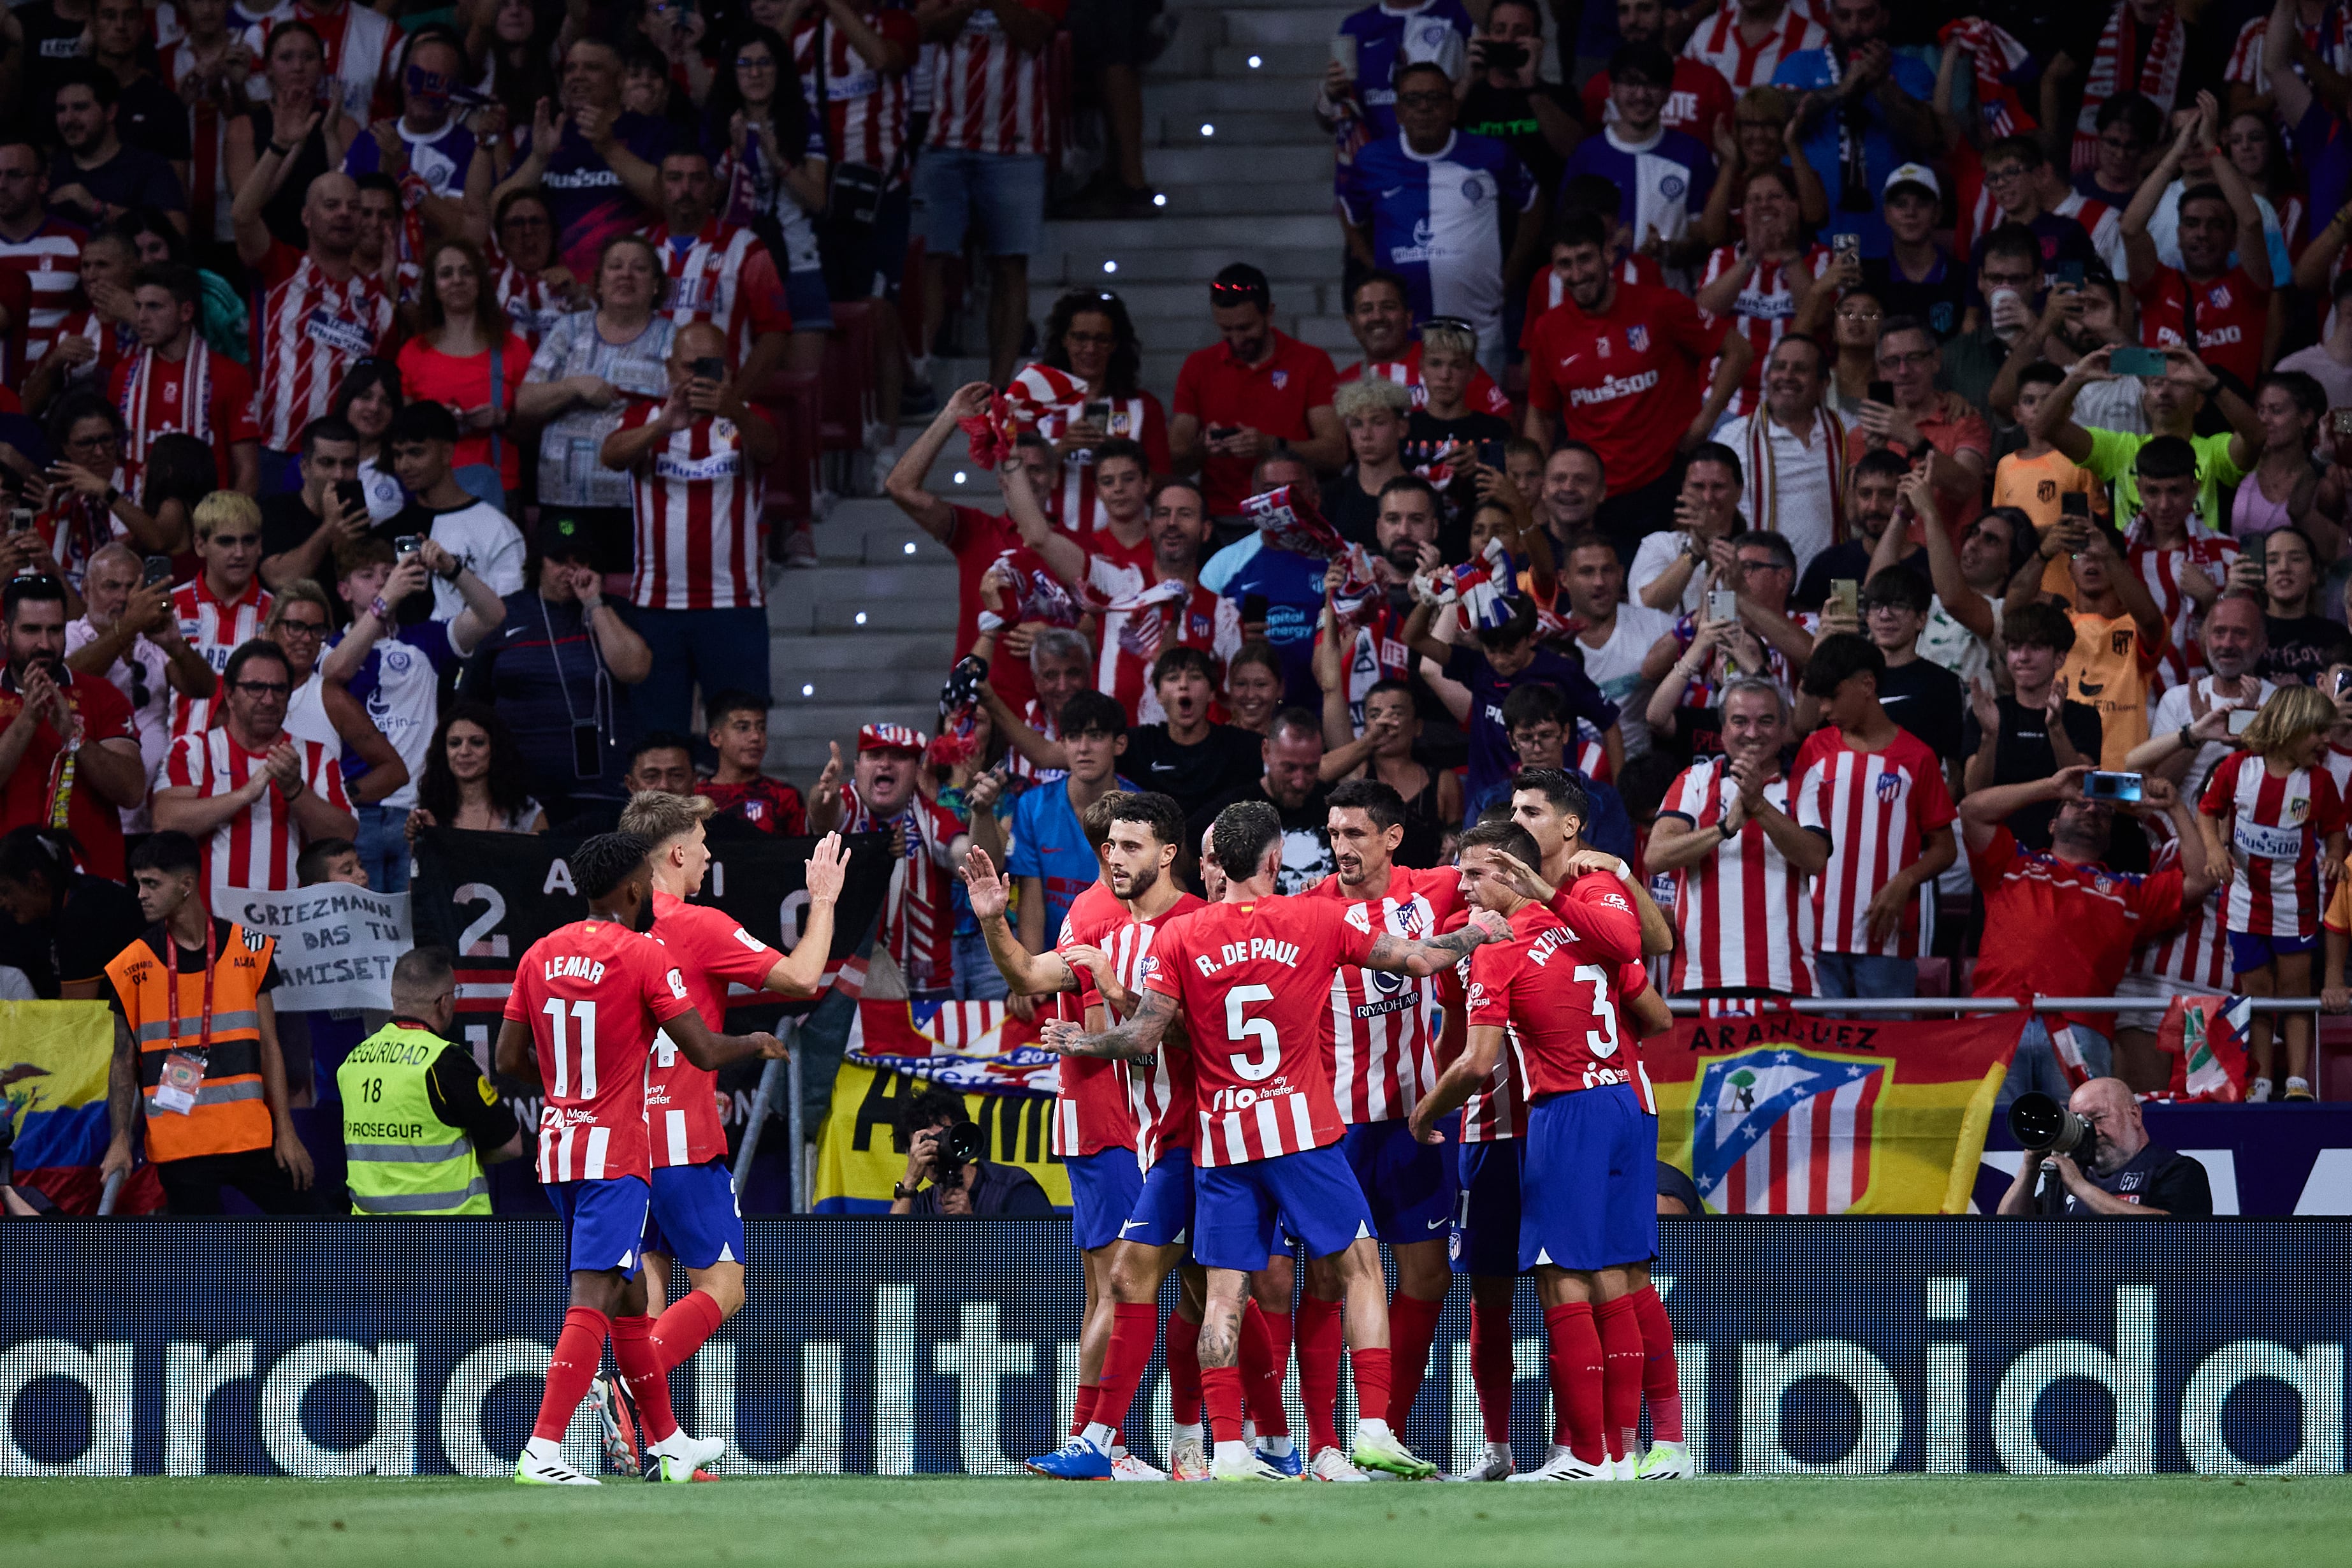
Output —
(957, 1147)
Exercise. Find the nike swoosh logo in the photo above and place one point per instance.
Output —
(1391, 192)
(1436, 1223)
(1127, 1225)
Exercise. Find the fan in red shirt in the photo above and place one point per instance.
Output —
(46, 709)
(1235, 399)
(739, 734)
(1588, 1206)
(588, 1000)
(1252, 974)
(2220, 311)
(696, 1218)
(1621, 367)
(176, 383)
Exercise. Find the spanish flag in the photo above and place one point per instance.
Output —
(53, 1065)
(1781, 1114)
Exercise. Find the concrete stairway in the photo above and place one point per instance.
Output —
(866, 635)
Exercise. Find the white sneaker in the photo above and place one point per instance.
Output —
(1249, 1466)
(1330, 1465)
(678, 1459)
(1125, 1466)
(1564, 1466)
(530, 1470)
(1664, 1462)
(2258, 1091)
(1494, 1463)
(2298, 1088)
(1187, 1460)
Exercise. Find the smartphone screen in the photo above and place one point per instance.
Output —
(1846, 596)
(2123, 788)
(1880, 392)
(2242, 718)
(2132, 360)
(2074, 503)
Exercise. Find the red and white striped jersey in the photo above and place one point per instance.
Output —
(257, 846)
(115, 341)
(865, 114)
(1496, 1109)
(727, 277)
(310, 332)
(1048, 728)
(917, 917)
(2339, 763)
(361, 48)
(1133, 638)
(592, 995)
(214, 630)
(990, 96)
(1879, 808)
(2103, 223)
(2275, 823)
(1746, 65)
(1090, 1103)
(712, 953)
(1254, 980)
(1377, 1027)
(1738, 910)
(1551, 986)
(1765, 307)
(1138, 419)
(1159, 1106)
(698, 500)
(528, 303)
(2195, 953)
(50, 260)
(1483, 396)
(2330, 39)
(2211, 554)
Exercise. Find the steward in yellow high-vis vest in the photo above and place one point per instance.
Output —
(419, 1119)
(196, 1062)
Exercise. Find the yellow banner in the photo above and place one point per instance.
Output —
(858, 1157)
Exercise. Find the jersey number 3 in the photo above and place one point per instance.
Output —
(1600, 1042)
(1240, 1028)
(583, 1013)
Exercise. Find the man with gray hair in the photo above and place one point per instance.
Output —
(1737, 845)
(419, 1119)
(128, 635)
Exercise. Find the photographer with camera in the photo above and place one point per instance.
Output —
(2092, 1156)
(943, 1148)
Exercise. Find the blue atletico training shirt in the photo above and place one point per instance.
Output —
(1437, 221)
(1437, 31)
(1661, 184)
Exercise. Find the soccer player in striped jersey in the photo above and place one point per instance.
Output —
(1252, 975)
(695, 1218)
(1377, 1028)
(1588, 1205)
(588, 999)
(1741, 848)
(2272, 814)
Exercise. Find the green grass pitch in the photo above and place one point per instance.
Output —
(842, 1522)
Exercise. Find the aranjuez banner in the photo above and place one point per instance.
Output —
(899, 1346)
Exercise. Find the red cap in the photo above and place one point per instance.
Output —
(889, 738)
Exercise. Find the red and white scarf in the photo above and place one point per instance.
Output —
(1764, 475)
(195, 398)
(1997, 57)
(2158, 79)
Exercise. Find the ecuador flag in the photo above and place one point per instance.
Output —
(53, 1063)
(1781, 1114)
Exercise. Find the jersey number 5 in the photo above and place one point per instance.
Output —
(1600, 1042)
(583, 1013)
(1240, 1028)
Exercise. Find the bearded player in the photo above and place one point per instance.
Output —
(1251, 975)
(1587, 1208)
(696, 1219)
(1377, 1028)
(587, 1001)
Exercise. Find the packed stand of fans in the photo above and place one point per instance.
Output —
(1834, 442)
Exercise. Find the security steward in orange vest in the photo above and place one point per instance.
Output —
(195, 1049)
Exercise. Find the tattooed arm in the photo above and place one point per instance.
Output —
(1398, 954)
(1138, 1037)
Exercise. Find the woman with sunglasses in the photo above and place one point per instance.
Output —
(768, 153)
(475, 779)
(469, 357)
(368, 399)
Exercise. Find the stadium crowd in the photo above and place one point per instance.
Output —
(1788, 421)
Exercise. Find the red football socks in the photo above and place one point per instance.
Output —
(1133, 1326)
(1371, 1363)
(1576, 1379)
(641, 1368)
(579, 1350)
(1082, 1408)
(1220, 1390)
(1661, 1382)
(1183, 1370)
(1412, 1328)
(680, 1331)
(1621, 1375)
(1319, 1339)
(1262, 1370)
(1490, 1367)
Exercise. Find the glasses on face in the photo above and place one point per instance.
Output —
(1424, 100)
(93, 443)
(264, 688)
(303, 628)
(2004, 174)
(1765, 565)
(755, 62)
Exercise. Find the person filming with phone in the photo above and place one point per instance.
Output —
(694, 463)
(2063, 921)
(2090, 1154)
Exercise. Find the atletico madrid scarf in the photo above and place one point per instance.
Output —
(2158, 79)
(196, 399)
(1999, 60)
(1764, 473)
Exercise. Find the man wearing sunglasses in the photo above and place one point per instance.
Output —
(429, 139)
(246, 790)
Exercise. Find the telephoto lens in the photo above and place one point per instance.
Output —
(2038, 1121)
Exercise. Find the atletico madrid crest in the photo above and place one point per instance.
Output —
(1637, 338)
(1781, 1130)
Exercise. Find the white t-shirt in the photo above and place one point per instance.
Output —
(305, 715)
(1945, 641)
(384, 496)
(1615, 667)
(2172, 711)
(490, 546)
(1657, 553)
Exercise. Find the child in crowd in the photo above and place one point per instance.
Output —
(738, 734)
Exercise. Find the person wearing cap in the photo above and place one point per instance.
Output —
(918, 917)
(1916, 277)
(554, 668)
(1662, 176)
(1259, 391)
(1865, 110)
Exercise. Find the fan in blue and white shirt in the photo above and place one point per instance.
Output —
(1386, 37)
(1663, 176)
(1440, 209)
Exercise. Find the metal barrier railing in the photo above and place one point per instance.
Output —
(1814, 1006)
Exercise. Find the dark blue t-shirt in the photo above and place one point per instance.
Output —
(587, 199)
(1293, 586)
(541, 671)
(1491, 757)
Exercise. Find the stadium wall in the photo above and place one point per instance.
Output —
(897, 1346)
